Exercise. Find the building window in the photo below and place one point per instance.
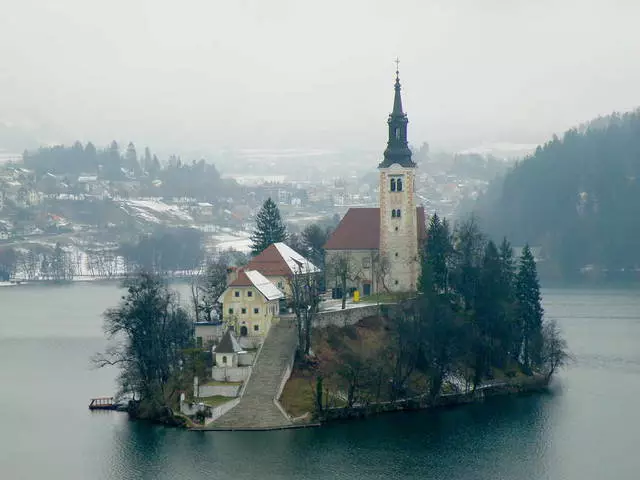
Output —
(256, 310)
(244, 310)
(280, 285)
(398, 211)
(231, 311)
(366, 262)
(399, 185)
(398, 135)
(236, 293)
(224, 359)
(393, 213)
(396, 254)
(396, 229)
(249, 293)
(393, 184)
(396, 282)
(256, 328)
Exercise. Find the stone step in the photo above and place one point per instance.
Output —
(256, 408)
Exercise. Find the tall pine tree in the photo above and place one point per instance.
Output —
(529, 306)
(269, 227)
(437, 255)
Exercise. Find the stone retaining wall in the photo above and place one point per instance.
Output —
(246, 359)
(532, 384)
(342, 318)
(219, 390)
(230, 374)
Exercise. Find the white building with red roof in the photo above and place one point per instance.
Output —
(251, 302)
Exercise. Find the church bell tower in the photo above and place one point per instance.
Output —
(398, 215)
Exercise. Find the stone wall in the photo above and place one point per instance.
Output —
(342, 318)
(536, 383)
(246, 359)
(211, 413)
(251, 341)
(219, 390)
(230, 374)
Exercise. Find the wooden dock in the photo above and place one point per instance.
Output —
(103, 403)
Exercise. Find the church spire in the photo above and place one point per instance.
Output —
(397, 99)
(397, 150)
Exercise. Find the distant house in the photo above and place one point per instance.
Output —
(250, 304)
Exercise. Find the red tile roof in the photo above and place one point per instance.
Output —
(269, 263)
(242, 280)
(359, 229)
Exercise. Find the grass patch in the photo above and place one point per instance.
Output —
(214, 401)
(298, 394)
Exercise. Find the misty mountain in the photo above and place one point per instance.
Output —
(577, 197)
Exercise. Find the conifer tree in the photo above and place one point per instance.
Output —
(269, 227)
(507, 291)
(529, 309)
(437, 255)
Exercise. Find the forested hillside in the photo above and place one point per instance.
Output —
(578, 198)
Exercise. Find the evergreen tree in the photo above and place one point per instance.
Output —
(469, 248)
(146, 160)
(507, 292)
(269, 227)
(437, 255)
(314, 237)
(131, 159)
(91, 156)
(155, 168)
(529, 309)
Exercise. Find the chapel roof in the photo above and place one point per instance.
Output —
(359, 229)
(228, 344)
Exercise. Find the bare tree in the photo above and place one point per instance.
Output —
(30, 263)
(555, 351)
(381, 266)
(342, 267)
(305, 298)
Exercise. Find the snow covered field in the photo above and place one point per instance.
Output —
(236, 240)
(155, 211)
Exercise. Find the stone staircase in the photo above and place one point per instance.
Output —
(256, 408)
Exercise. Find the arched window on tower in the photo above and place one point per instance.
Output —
(393, 213)
(398, 133)
(393, 184)
(398, 213)
(399, 185)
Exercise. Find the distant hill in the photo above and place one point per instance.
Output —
(577, 197)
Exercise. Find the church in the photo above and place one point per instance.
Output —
(382, 244)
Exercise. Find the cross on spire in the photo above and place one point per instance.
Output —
(397, 62)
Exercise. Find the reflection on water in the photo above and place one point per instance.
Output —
(584, 429)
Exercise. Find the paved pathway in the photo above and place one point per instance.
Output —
(256, 408)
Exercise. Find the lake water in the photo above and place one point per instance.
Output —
(587, 428)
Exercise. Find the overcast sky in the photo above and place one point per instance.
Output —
(194, 74)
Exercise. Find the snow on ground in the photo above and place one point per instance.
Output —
(238, 241)
(151, 209)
